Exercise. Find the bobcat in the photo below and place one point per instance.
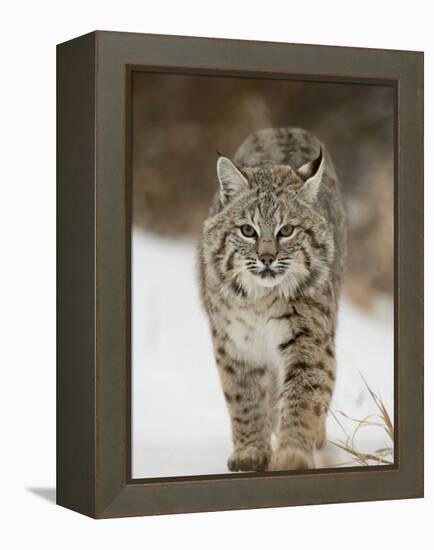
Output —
(271, 259)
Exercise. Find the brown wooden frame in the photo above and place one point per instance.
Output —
(94, 224)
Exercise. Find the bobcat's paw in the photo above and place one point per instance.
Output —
(291, 458)
(250, 459)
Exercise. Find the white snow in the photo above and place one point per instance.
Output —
(180, 425)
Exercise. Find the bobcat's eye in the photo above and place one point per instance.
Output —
(285, 231)
(248, 231)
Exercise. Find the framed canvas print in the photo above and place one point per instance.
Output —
(240, 274)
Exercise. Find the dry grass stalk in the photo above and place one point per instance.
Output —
(382, 420)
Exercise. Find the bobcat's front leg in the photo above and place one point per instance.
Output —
(246, 392)
(304, 400)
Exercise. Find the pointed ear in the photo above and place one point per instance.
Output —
(311, 173)
(230, 178)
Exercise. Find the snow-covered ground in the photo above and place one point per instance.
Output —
(179, 418)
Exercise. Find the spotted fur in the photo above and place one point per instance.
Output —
(273, 324)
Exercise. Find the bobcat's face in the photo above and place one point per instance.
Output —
(271, 235)
(268, 244)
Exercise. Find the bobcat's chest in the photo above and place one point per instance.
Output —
(254, 338)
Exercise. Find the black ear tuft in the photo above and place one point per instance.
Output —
(317, 162)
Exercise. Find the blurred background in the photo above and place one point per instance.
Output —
(180, 425)
(179, 122)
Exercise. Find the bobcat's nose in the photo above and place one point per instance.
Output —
(267, 259)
